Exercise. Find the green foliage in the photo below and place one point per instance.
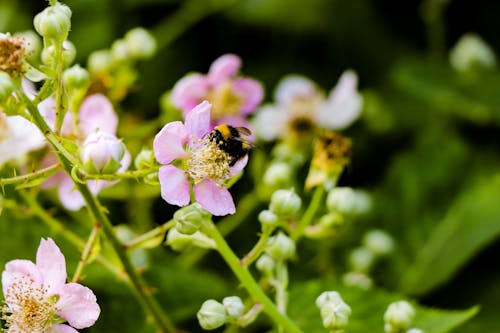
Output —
(368, 309)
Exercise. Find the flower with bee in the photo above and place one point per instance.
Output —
(193, 156)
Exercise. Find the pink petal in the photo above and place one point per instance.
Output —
(215, 199)
(292, 87)
(198, 121)
(51, 263)
(70, 198)
(47, 109)
(189, 91)
(223, 68)
(19, 269)
(97, 112)
(251, 91)
(61, 328)
(270, 122)
(78, 305)
(240, 165)
(169, 143)
(174, 185)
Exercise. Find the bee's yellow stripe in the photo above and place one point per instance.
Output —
(224, 131)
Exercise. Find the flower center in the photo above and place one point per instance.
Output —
(28, 308)
(303, 110)
(12, 54)
(224, 101)
(207, 160)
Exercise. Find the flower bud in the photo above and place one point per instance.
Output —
(119, 50)
(280, 247)
(99, 61)
(102, 152)
(268, 219)
(472, 52)
(190, 218)
(6, 86)
(76, 78)
(378, 242)
(415, 330)
(53, 22)
(140, 43)
(32, 44)
(178, 242)
(334, 311)
(68, 54)
(357, 279)
(285, 202)
(211, 315)
(398, 317)
(348, 201)
(145, 159)
(279, 174)
(361, 259)
(234, 307)
(265, 264)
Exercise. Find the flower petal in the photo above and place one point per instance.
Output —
(189, 91)
(70, 198)
(270, 123)
(239, 165)
(251, 92)
(51, 263)
(97, 112)
(169, 143)
(61, 328)
(20, 138)
(174, 185)
(223, 68)
(292, 87)
(344, 104)
(78, 305)
(19, 269)
(198, 121)
(215, 199)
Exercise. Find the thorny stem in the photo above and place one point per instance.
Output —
(256, 251)
(23, 179)
(60, 89)
(87, 252)
(124, 175)
(163, 322)
(309, 214)
(247, 280)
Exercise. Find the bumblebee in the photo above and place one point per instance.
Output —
(232, 141)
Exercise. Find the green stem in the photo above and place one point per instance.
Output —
(156, 232)
(87, 252)
(143, 292)
(310, 212)
(247, 280)
(59, 49)
(125, 175)
(256, 251)
(42, 173)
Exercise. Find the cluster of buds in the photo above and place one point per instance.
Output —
(213, 314)
(334, 311)
(471, 53)
(399, 317)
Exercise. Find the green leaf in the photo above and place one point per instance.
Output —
(472, 222)
(368, 308)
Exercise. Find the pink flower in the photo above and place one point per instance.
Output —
(232, 97)
(203, 163)
(96, 113)
(38, 299)
(299, 103)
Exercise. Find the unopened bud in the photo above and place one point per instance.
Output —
(357, 279)
(278, 175)
(361, 259)
(285, 202)
(265, 264)
(119, 50)
(68, 54)
(76, 78)
(280, 247)
(145, 159)
(234, 307)
(346, 200)
(99, 61)
(6, 86)
(398, 317)
(415, 330)
(472, 52)
(334, 311)
(211, 315)
(102, 152)
(32, 44)
(190, 218)
(140, 43)
(178, 242)
(54, 22)
(268, 219)
(379, 242)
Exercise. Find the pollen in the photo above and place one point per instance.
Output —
(12, 55)
(332, 149)
(28, 308)
(224, 101)
(207, 161)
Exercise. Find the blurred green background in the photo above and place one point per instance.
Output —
(427, 145)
